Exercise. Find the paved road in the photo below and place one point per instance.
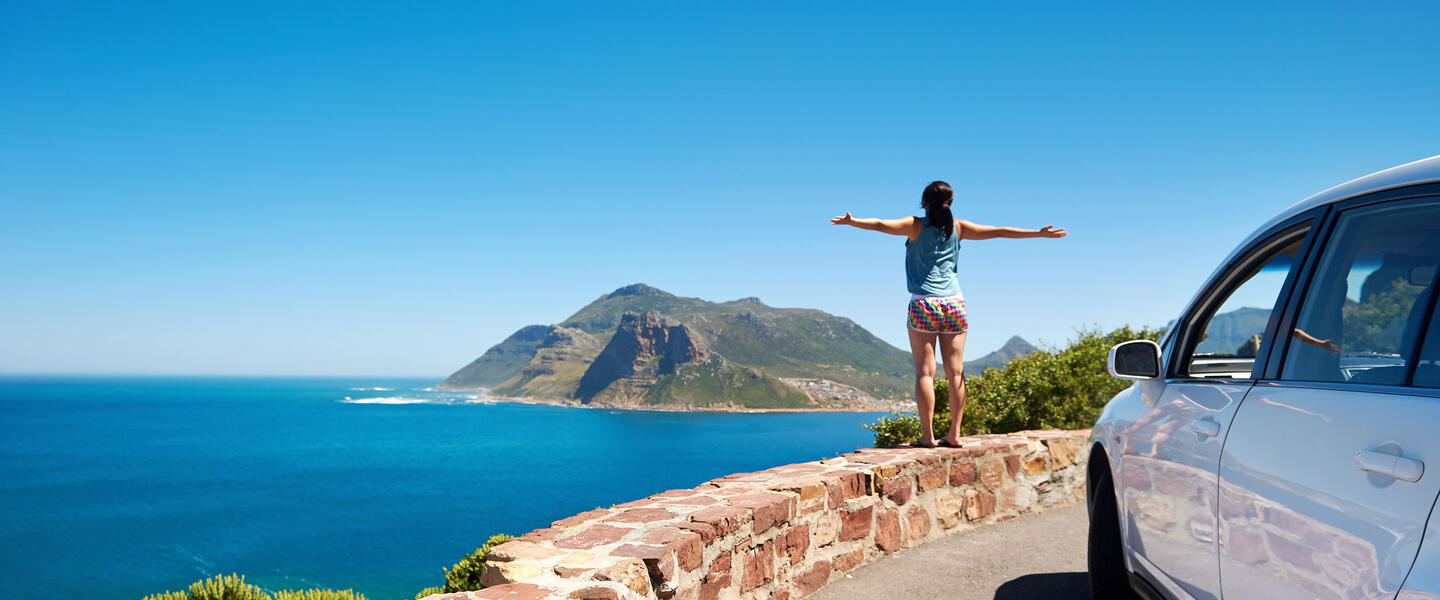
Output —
(1034, 557)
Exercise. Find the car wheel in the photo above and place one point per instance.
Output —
(1108, 576)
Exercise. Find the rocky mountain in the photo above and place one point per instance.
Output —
(1014, 347)
(641, 346)
(503, 360)
(553, 366)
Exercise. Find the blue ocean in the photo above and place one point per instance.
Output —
(116, 487)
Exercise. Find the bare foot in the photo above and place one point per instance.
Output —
(950, 443)
(922, 444)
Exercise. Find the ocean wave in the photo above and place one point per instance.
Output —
(396, 400)
(372, 389)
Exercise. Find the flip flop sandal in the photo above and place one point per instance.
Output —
(917, 444)
(945, 444)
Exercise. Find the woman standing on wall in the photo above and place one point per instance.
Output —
(937, 310)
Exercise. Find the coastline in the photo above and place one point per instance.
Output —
(487, 397)
(418, 469)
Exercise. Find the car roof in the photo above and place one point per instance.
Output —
(1425, 170)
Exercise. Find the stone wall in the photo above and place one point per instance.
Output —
(785, 532)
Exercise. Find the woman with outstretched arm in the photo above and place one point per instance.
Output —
(937, 309)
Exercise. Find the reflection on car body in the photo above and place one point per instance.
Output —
(1280, 450)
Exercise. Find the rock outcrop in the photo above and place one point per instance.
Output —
(562, 355)
(643, 348)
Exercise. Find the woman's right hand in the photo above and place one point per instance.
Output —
(845, 220)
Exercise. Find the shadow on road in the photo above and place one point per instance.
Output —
(1047, 586)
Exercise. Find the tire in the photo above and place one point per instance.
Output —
(1108, 576)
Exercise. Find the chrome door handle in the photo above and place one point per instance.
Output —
(1206, 428)
(1403, 468)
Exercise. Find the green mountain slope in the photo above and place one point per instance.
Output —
(501, 362)
(718, 383)
(603, 315)
(640, 345)
(557, 364)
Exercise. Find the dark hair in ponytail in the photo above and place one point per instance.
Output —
(936, 202)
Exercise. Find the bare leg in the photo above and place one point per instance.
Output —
(952, 351)
(922, 347)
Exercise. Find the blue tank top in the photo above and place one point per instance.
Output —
(930, 267)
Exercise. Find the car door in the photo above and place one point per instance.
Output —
(1170, 454)
(1323, 487)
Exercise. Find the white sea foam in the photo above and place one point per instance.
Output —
(395, 400)
(372, 389)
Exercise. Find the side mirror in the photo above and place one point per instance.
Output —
(1136, 359)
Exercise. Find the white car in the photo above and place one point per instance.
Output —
(1275, 442)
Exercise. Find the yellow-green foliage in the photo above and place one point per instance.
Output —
(233, 587)
(902, 428)
(1044, 389)
(464, 576)
(430, 591)
(220, 587)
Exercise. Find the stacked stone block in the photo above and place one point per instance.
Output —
(785, 532)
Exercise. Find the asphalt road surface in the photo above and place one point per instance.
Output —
(1033, 557)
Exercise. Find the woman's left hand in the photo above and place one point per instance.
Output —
(1051, 231)
(845, 220)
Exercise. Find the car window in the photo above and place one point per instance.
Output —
(1226, 343)
(1363, 311)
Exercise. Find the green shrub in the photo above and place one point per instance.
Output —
(233, 587)
(220, 587)
(902, 428)
(430, 591)
(464, 576)
(1064, 389)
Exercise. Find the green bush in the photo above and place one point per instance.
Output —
(464, 576)
(1064, 389)
(430, 591)
(902, 428)
(220, 587)
(233, 587)
(169, 596)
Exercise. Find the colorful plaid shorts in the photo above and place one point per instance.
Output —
(932, 314)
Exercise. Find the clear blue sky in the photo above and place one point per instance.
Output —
(351, 188)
